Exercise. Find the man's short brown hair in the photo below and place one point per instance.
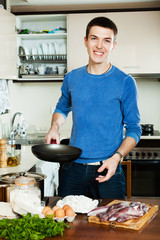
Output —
(102, 22)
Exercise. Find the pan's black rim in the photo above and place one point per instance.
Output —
(60, 145)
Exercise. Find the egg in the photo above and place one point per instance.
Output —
(45, 209)
(65, 207)
(55, 208)
(69, 212)
(49, 212)
(59, 213)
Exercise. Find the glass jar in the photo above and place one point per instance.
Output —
(26, 191)
(18, 152)
(12, 159)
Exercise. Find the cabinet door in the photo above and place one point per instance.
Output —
(77, 54)
(8, 49)
(138, 41)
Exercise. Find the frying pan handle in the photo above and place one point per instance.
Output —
(53, 141)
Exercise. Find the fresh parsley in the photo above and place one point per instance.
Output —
(30, 227)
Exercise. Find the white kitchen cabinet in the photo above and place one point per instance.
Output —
(138, 47)
(138, 41)
(33, 56)
(8, 50)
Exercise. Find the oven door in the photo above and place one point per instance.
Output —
(145, 178)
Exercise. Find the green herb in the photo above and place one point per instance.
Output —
(31, 228)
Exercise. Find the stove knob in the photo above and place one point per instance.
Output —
(149, 154)
(143, 154)
(155, 154)
(137, 154)
(130, 154)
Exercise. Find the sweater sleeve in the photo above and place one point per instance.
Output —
(129, 106)
(64, 104)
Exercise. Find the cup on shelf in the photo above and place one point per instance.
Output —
(42, 70)
(61, 69)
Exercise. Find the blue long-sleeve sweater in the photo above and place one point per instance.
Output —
(101, 105)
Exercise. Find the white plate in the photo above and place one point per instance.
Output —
(34, 52)
(40, 53)
(45, 49)
(62, 49)
(57, 48)
(27, 53)
(79, 203)
(51, 49)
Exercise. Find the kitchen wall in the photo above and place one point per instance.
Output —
(149, 101)
(37, 100)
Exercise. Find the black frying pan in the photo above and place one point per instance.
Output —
(56, 152)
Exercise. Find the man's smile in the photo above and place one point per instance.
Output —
(98, 53)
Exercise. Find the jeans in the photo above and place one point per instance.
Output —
(79, 179)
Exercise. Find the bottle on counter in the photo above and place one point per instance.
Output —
(3, 154)
(12, 159)
(18, 152)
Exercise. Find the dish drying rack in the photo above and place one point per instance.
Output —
(45, 58)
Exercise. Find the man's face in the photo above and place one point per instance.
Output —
(99, 44)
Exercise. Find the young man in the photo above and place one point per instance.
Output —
(103, 100)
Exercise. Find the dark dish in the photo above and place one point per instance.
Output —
(56, 152)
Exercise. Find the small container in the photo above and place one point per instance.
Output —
(12, 160)
(18, 152)
(25, 190)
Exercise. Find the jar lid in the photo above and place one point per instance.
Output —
(18, 146)
(21, 181)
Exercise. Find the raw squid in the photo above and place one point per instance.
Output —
(120, 212)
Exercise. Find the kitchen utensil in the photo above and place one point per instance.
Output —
(45, 50)
(11, 177)
(56, 45)
(27, 52)
(56, 152)
(40, 53)
(41, 70)
(34, 53)
(51, 49)
(61, 69)
(62, 49)
(54, 51)
(21, 53)
(147, 128)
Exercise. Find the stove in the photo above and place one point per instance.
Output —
(155, 133)
(147, 149)
(145, 166)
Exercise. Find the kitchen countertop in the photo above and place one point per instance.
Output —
(81, 229)
(150, 137)
(28, 160)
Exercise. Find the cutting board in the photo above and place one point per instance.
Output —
(134, 224)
